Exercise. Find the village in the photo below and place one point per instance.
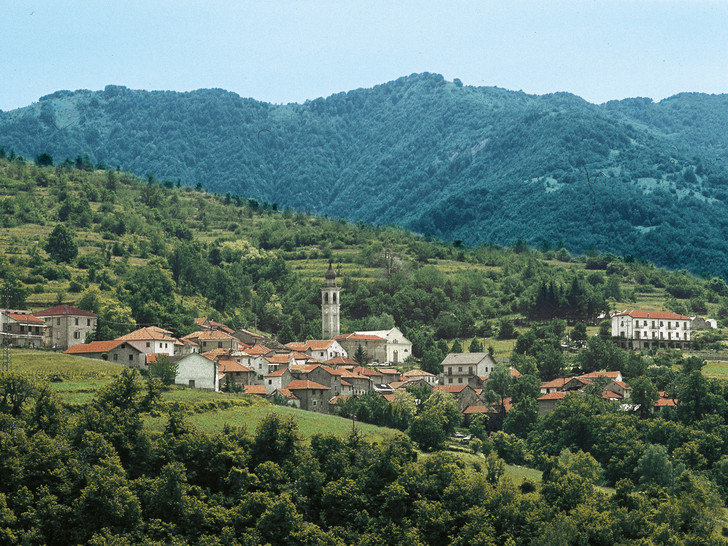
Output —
(319, 375)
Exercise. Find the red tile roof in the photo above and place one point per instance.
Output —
(302, 384)
(341, 360)
(210, 334)
(143, 334)
(64, 310)
(556, 395)
(665, 402)
(665, 315)
(557, 383)
(25, 318)
(257, 349)
(475, 409)
(233, 366)
(417, 373)
(594, 375)
(360, 337)
(93, 347)
(254, 389)
(287, 393)
(277, 373)
(366, 371)
(450, 388)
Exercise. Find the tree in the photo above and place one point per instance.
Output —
(506, 330)
(164, 369)
(644, 394)
(61, 245)
(361, 356)
(498, 386)
(456, 347)
(476, 346)
(44, 160)
(578, 333)
(600, 354)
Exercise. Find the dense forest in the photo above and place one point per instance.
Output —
(94, 474)
(471, 164)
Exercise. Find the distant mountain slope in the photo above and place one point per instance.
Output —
(475, 164)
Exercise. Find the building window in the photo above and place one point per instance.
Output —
(470, 370)
(661, 324)
(147, 344)
(314, 402)
(270, 381)
(75, 321)
(669, 325)
(449, 379)
(219, 344)
(76, 335)
(192, 383)
(131, 357)
(58, 321)
(116, 357)
(460, 368)
(460, 379)
(88, 322)
(653, 323)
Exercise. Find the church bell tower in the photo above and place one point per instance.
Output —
(330, 305)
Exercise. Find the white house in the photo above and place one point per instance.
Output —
(152, 340)
(197, 372)
(638, 329)
(398, 347)
(464, 368)
(322, 349)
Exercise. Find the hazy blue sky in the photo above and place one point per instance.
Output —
(290, 51)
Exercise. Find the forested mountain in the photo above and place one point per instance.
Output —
(461, 163)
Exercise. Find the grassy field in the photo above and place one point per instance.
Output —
(309, 423)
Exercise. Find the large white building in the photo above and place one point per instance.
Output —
(638, 329)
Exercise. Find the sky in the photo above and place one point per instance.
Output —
(284, 51)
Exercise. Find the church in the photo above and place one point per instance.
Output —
(381, 345)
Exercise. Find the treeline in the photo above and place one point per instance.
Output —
(98, 477)
(629, 177)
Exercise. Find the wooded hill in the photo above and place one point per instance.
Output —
(477, 164)
(140, 253)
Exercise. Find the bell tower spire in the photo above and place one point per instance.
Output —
(330, 305)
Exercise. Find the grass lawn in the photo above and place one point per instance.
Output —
(717, 369)
(309, 423)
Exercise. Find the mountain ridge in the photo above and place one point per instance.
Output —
(477, 164)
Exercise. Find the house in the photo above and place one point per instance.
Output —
(612, 376)
(464, 394)
(374, 346)
(698, 323)
(471, 411)
(416, 374)
(277, 380)
(324, 375)
(464, 368)
(554, 385)
(115, 350)
(239, 373)
(197, 372)
(639, 329)
(67, 326)
(213, 339)
(313, 396)
(547, 402)
(255, 389)
(152, 340)
(22, 329)
(247, 337)
(323, 349)
(397, 347)
(389, 374)
(290, 398)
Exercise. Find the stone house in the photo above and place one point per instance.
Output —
(120, 352)
(213, 339)
(277, 380)
(464, 394)
(67, 326)
(313, 396)
(240, 374)
(397, 347)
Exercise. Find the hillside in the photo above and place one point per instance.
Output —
(147, 254)
(476, 164)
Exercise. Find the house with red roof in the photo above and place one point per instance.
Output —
(120, 352)
(464, 394)
(313, 396)
(22, 329)
(152, 340)
(322, 349)
(640, 329)
(277, 379)
(67, 326)
(213, 339)
(240, 374)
